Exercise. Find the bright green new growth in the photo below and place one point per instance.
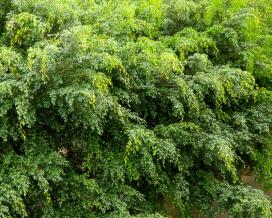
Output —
(111, 108)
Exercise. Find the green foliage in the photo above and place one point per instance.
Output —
(112, 108)
(24, 29)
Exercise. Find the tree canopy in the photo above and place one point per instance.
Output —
(109, 108)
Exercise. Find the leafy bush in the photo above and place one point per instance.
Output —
(112, 108)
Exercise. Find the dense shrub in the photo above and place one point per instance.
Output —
(112, 108)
